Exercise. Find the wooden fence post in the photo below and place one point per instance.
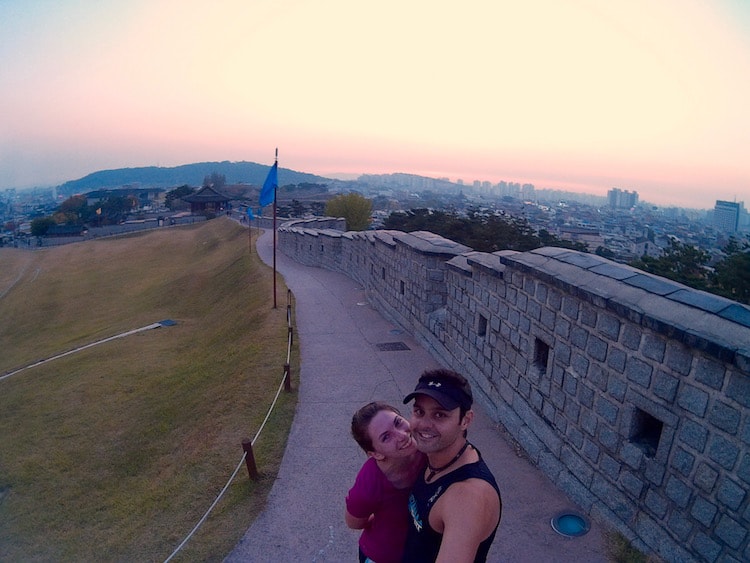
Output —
(252, 470)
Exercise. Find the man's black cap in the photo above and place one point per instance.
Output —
(448, 392)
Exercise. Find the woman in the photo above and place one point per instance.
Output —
(377, 504)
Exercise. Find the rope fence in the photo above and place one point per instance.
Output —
(248, 457)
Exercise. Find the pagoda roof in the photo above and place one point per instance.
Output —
(205, 195)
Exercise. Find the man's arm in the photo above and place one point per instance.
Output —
(467, 514)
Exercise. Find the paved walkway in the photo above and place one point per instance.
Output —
(343, 368)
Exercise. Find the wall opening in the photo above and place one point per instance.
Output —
(645, 432)
(541, 355)
(482, 325)
(382, 273)
(402, 288)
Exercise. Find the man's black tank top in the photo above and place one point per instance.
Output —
(423, 543)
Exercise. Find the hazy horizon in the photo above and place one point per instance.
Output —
(575, 96)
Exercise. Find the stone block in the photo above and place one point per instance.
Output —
(739, 388)
(730, 531)
(631, 455)
(609, 327)
(678, 491)
(570, 383)
(705, 477)
(683, 461)
(665, 386)
(608, 438)
(692, 399)
(632, 484)
(679, 525)
(597, 348)
(638, 371)
(723, 452)
(654, 471)
(577, 465)
(610, 467)
(616, 359)
(709, 372)
(588, 422)
(730, 494)
(579, 492)
(631, 337)
(588, 316)
(607, 410)
(743, 471)
(613, 498)
(586, 396)
(578, 337)
(590, 449)
(678, 358)
(570, 307)
(616, 388)
(703, 511)
(653, 347)
(550, 465)
(598, 376)
(707, 548)
(549, 319)
(725, 417)
(656, 503)
(693, 434)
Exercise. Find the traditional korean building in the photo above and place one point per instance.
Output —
(207, 199)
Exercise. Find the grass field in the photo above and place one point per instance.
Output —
(115, 452)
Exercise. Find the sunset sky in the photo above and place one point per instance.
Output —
(580, 95)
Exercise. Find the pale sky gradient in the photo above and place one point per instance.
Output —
(644, 95)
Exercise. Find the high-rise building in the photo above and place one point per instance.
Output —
(618, 198)
(727, 216)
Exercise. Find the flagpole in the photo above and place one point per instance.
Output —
(276, 162)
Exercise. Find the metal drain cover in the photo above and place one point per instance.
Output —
(392, 346)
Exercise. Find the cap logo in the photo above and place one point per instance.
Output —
(434, 384)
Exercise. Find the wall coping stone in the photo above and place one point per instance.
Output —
(429, 244)
(708, 322)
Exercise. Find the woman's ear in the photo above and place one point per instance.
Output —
(376, 456)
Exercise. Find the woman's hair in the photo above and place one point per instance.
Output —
(361, 422)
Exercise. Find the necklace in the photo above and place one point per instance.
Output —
(435, 470)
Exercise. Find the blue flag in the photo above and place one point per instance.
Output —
(250, 213)
(269, 186)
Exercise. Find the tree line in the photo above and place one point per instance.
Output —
(686, 264)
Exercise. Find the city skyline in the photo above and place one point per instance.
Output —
(577, 96)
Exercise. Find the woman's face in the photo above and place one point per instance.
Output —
(391, 435)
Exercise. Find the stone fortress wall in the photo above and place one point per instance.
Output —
(631, 392)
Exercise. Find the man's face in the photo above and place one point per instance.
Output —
(434, 428)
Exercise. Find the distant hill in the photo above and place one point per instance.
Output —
(190, 174)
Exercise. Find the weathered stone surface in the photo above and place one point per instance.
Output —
(637, 402)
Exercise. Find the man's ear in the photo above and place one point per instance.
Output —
(376, 456)
(467, 419)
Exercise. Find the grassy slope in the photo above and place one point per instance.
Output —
(116, 452)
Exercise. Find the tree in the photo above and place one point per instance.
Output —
(74, 211)
(479, 231)
(114, 209)
(682, 263)
(41, 225)
(355, 208)
(732, 275)
(173, 196)
(215, 180)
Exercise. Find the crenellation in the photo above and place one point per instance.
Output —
(630, 391)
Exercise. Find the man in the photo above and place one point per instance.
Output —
(455, 504)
